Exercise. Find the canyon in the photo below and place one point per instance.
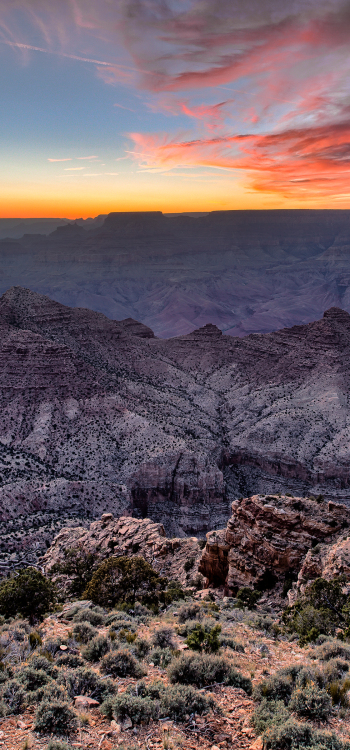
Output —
(101, 416)
(243, 271)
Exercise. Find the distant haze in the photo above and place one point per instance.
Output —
(244, 271)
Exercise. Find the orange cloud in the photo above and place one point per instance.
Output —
(316, 160)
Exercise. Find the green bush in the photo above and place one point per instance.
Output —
(189, 612)
(279, 686)
(35, 640)
(94, 616)
(31, 678)
(295, 736)
(331, 650)
(52, 646)
(84, 632)
(86, 682)
(312, 702)
(41, 662)
(13, 696)
(163, 638)
(141, 647)
(79, 565)
(124, 579)
(58, 745)
(49, 692)
(115, 617)
(139, 710)
(121, 664)
(247, 597)
(144, 702)
(267, 714)
(206, 669)
(178, 701)
(55, 717)
(228, 642)
(70, 661)
(200, 639)
(161, 657)
(29, 594)
(96, 648)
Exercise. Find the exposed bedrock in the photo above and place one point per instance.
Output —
(184, 426)
(267, 539)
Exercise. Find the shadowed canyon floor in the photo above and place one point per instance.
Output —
(99, 415)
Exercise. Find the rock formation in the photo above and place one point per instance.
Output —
(267, 539)
(177, 559)
(100, 415)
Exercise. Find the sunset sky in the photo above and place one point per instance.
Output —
(173, 105)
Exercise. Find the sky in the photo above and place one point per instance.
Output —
(173, 105)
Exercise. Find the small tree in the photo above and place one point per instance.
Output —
(29, 594)
(79, 564)
(123, 579)
(247, 597)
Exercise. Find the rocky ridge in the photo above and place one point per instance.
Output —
(177, 558)
(268, 538)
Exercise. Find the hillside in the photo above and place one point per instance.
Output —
(99, 415)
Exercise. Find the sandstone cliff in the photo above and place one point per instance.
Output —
(267, 539)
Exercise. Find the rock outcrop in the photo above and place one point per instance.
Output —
(267, 539)
(324, 561)
(177, 558)
(99, 415)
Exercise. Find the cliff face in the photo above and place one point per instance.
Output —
(99, 415)
(267, 539)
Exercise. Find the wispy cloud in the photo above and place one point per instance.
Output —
(73, 169)
(68, 159)
(88, 158)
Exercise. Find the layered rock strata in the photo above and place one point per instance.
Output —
(267, 539)
(177, 558)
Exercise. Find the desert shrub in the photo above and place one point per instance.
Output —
(121, 664)
(323, 608)
(31, 678)
(126, 636)
(331, 649)
(55, 717)
(35, 639)
(295, 736)
(266, 624)
(58, 745)
(79, 565)
(29, 593)
(52, 646)
(189, 612)
(41, 662)
(228, 642)
(140, 710)
(51, 691)
(96, 648)
(143, 702)
(118, 616)
(95, 616)
(86, 682)
(119, 625)
(206, 669)
(13, 696)
(189, 564)
(161, 657)
(84, 632)
(247, 597)
(312, 702)
(268, 713)
(141, 648)
(203, 639)
(278, 687)
(178, 701)
(163, 638)
(120, 579)
(71, 661)
(308, 622)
